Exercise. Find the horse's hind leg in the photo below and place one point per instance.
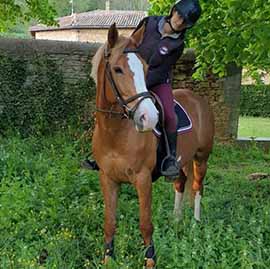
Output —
(144, 189)
(199, 171)
(110, 193)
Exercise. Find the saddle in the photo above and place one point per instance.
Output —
(184, 124)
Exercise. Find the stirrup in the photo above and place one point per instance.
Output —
(90, 165)
(170, 175)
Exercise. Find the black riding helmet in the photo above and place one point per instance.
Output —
(190, 10)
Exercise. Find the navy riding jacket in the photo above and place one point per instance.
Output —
(160, 52)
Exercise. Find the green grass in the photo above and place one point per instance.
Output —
(254, 127)
(48, 203)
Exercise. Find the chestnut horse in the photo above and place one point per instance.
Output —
(124, 145)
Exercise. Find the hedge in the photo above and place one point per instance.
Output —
(34, 98)
(255, 100)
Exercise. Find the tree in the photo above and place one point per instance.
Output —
(12, 12)
(63, 7)
(229, 31)
(130, 5)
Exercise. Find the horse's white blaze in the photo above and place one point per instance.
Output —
(136, 67)
(197, 206)
(178, 204)
(146, 111)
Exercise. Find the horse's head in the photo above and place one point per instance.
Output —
(125, 71)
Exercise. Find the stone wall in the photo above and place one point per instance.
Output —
(45, 85)
(71, 57)
(72, 60)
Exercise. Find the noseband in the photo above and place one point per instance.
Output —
(127, 111)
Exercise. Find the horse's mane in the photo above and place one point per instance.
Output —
(95, 62)
(122, 43)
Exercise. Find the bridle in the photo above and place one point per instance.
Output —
(123, 103)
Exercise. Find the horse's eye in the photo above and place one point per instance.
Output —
(118, 70)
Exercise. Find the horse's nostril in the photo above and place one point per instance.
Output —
(142, 117)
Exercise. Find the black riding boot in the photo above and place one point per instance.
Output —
(171, 166)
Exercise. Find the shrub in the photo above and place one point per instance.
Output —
(255, 100)
(35, 99)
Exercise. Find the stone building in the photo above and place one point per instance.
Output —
(89, 26)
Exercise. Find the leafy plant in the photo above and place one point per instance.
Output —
(255, 100)
(34, 98)
(12, 11)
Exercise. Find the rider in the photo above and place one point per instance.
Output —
(162, 46)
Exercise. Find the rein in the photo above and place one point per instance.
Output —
(123, 103)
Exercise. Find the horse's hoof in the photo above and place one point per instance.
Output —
(150, 264)
(107, 259)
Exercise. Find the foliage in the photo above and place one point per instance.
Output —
(13, 11)
(63, 7)
(34, 98)
(129, 5)
(229, 31)
(20, 30)
(255, 100)
(48, 204)
(253, 127)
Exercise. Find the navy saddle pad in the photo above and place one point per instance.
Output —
(184, 122)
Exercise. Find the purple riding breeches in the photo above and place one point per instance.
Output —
(164, 92)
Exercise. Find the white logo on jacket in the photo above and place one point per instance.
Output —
(163, 50)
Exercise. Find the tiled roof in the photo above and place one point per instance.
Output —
(96, 19)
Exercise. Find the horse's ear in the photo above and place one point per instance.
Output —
(112, 36)
(137, 36)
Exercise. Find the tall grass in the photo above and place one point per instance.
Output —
(51, 211)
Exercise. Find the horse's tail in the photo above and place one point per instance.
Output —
(188, 186)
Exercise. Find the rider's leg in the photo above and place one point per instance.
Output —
(171, 165)
(164, 92)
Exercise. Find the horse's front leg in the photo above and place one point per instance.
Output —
(179, 186)
(144, 189)
(110, 193)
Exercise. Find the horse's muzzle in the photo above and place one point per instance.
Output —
(146, 116)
